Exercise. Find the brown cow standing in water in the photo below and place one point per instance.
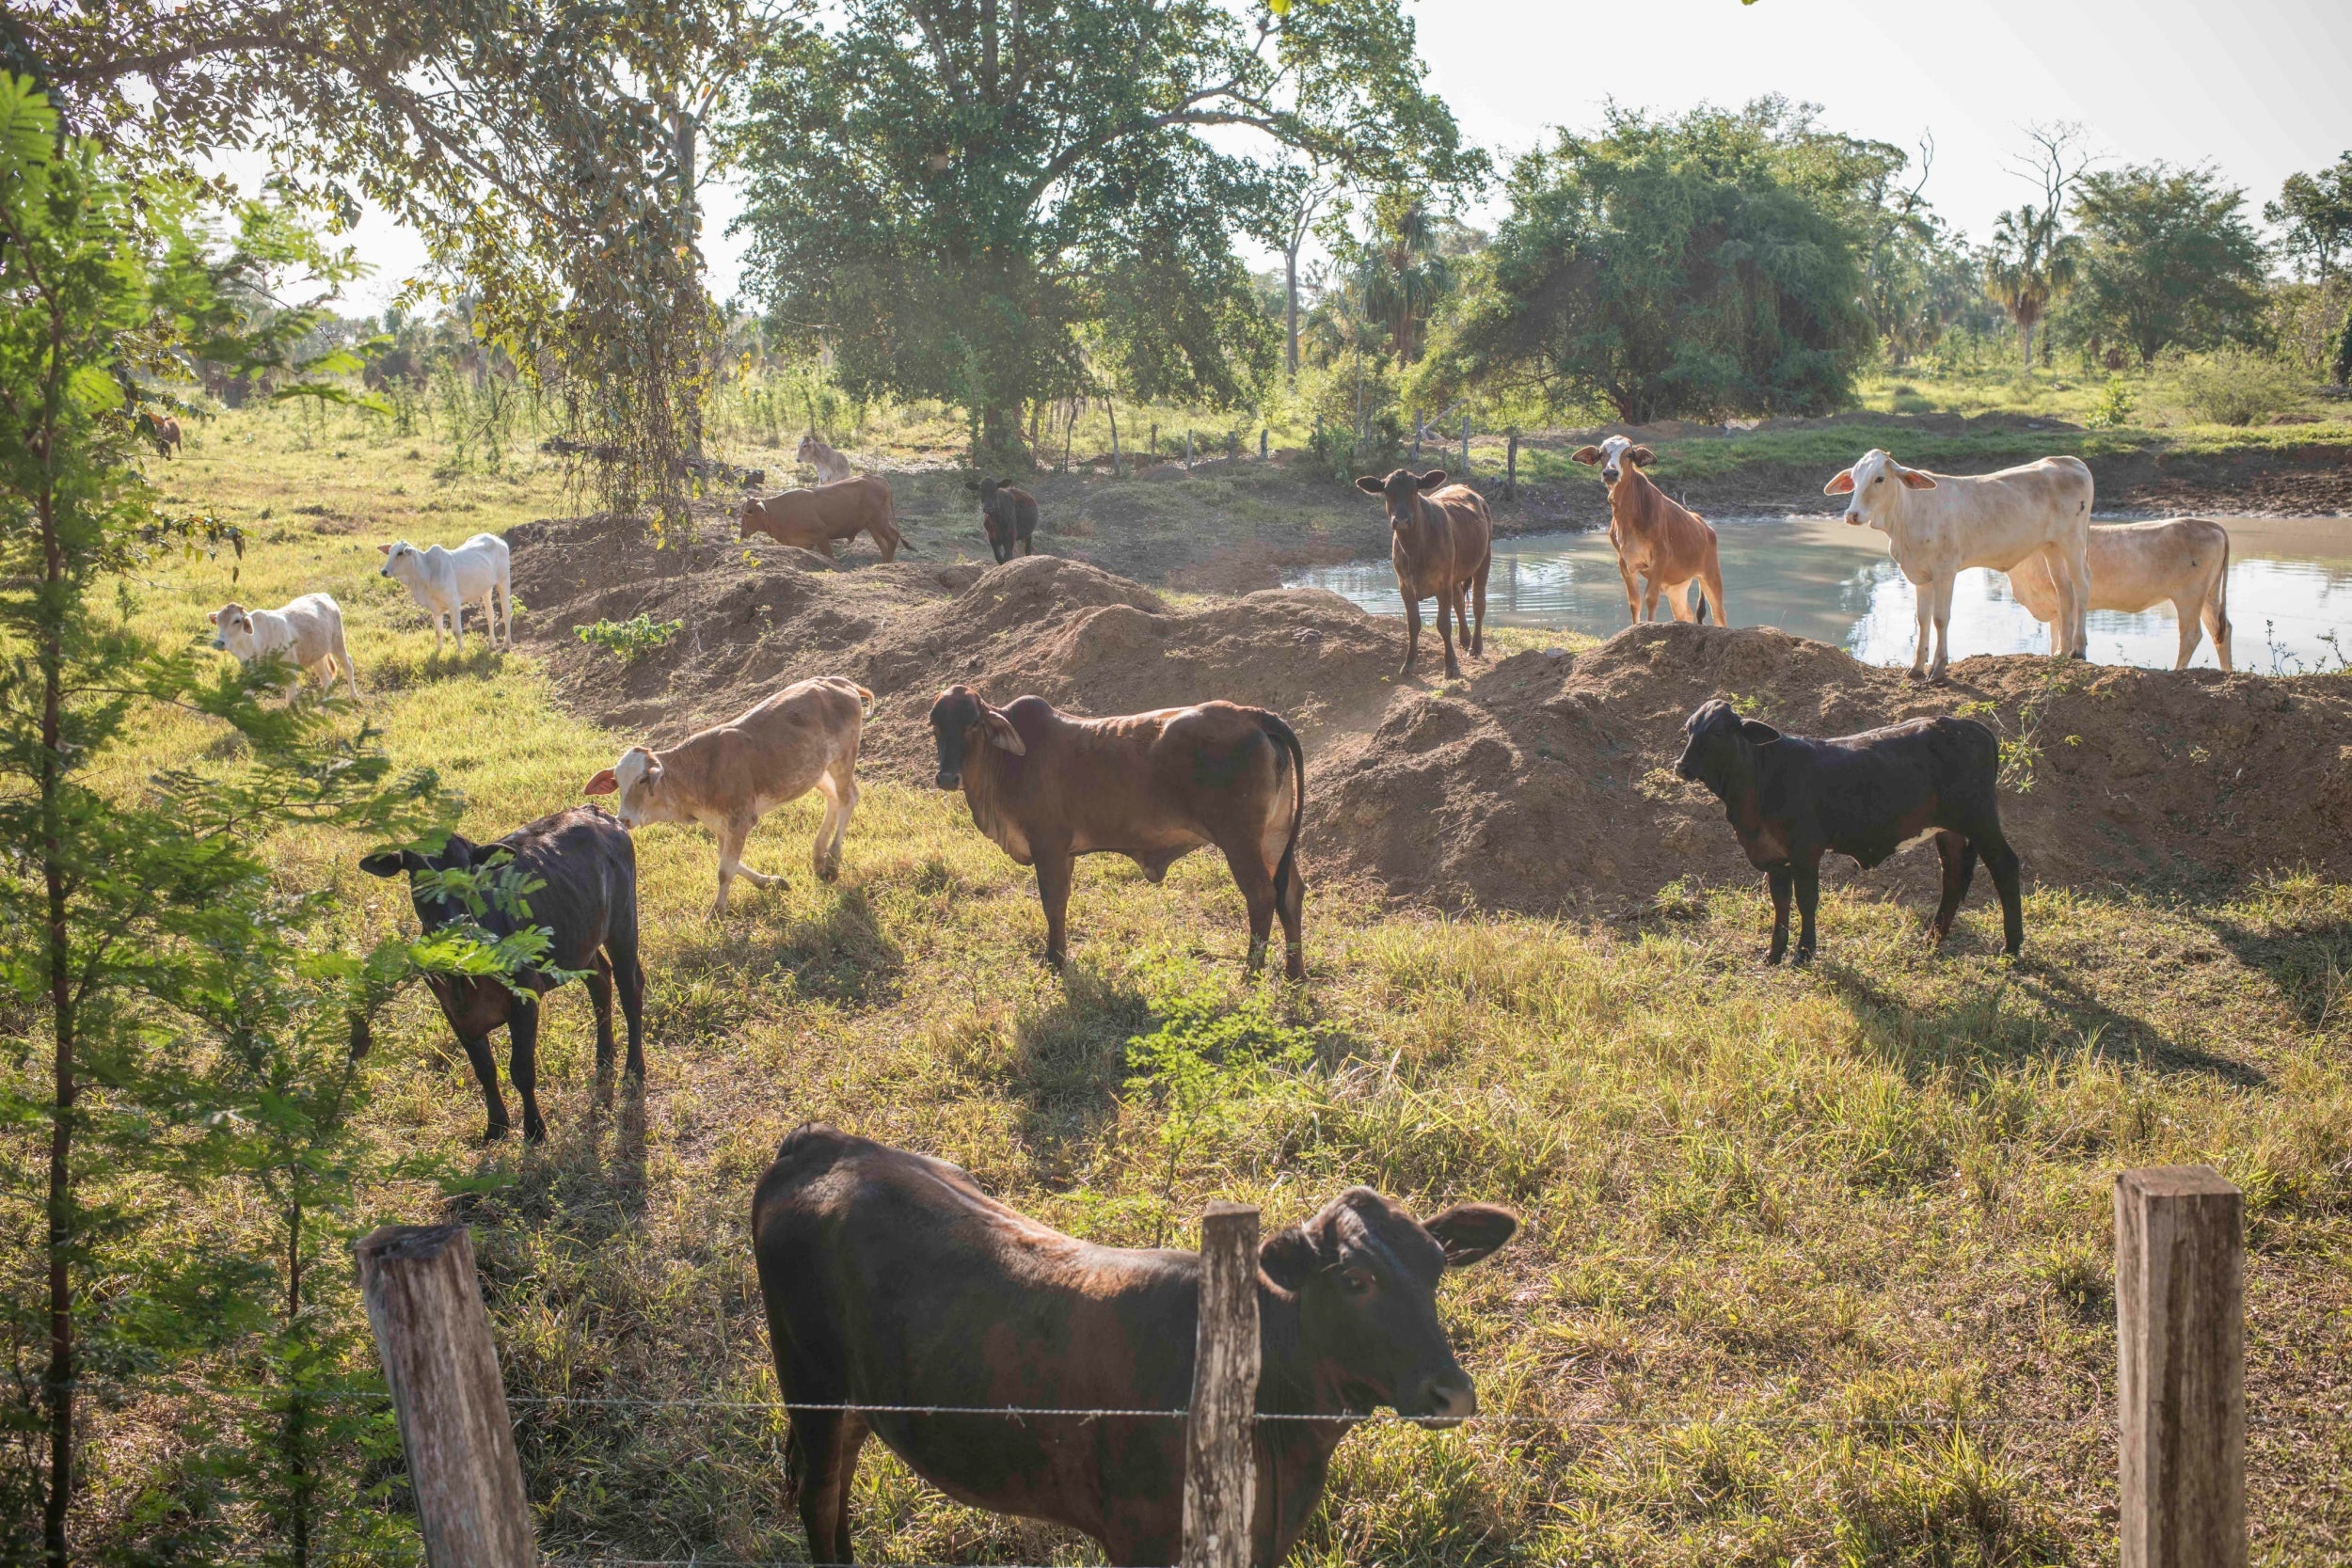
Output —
(891, 1279)
(1441, 542)
(813, 519)
(1153, 787)
(1657, 541)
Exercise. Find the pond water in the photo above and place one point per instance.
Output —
(2290, 588)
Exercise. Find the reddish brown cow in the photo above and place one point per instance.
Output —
(813, 519)
(1656, 540)
(1441, 542)
(1151, 786)
(891, 1279)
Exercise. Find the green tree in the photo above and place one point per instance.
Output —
(125, 918)
(988, 205)
(2316, 210)
(1699, 265)
(1406, 266)
(2169, 260)
(2029, 264)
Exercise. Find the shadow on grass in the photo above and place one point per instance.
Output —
(840, 953)
(2310, 966)
(1070, 1060)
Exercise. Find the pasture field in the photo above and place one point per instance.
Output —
(1816, 1264)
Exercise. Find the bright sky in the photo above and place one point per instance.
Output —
(2258, 88)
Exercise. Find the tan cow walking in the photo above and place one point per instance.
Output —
(1441, 542)
(2137, 566)
(1668, 548)
(814, 519)
(728, 776)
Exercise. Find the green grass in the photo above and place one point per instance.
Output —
(1875, 1189)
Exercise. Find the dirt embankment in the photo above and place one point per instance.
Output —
(1541, 784)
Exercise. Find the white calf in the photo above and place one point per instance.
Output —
(2137, 566)
(444, 581)
(1937, 526)
(309, 632)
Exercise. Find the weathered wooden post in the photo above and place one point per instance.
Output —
(433, 1335)
(1466, 471)
(1417, 435)
(1112, 409)
(1152, 448)
(1262, 436)
(1187, 451)
(1511, 469)
(1220, 1466)
(2181, 1368)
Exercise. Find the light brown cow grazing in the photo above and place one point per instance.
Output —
(729, 776)
(1441, 542)
(1670, 549)
(167, 433)
(2137, 566)
(829, 465)
(813, 519)
(1153, 787)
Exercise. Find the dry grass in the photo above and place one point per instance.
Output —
(1876, 1189)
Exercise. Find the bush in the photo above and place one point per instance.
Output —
(2114, 406)
(2235, 385)
(629, 641)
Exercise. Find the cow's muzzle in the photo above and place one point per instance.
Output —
(1853, 519)
(218, 643)
(1441, 1403)
(949, 780)
(1609, 475)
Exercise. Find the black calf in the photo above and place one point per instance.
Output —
(588, 905)
(1792, 801)
(1009, 514)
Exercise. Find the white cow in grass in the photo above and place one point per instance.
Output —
(309, 632)
(1937, 526)
(443, 582)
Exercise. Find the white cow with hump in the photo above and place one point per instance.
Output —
(308, 630)
(444, 581)
(1937, 526)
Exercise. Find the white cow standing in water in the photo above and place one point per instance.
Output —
(1937, 526)
(2137, 566)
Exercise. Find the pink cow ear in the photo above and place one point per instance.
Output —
(1913, 479)
(213, 617)
(383, 549)
(1585, 454)
(1840, 486)
(603, 783)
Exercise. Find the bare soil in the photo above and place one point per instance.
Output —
(1541, 784)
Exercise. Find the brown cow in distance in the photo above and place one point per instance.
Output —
(1153, 787)
(890, 1279)
(1441, 542)
(813, 519)
(1656, 540)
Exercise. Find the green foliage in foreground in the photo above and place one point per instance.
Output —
(631, 640)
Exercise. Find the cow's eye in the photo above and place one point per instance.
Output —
(1359, 1281)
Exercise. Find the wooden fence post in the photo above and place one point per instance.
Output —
(1220, 1465)
(1263, 433)
(1187, 452)
(1466, 469)
(1511, 470)
(2181, 1368)
(434, 1336)
(1416, 434)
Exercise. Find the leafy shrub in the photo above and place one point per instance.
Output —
(631, 640)
(2114, 406)
(2236, 386)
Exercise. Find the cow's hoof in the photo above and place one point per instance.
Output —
(1804, 957)
(496, 1132)
(1774, 954)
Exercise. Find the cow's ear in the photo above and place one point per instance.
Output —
(1431, 479)
(1760, 732)
(1585, 454)
(387, 863)
(1001, 733)
(1289, 1257)
(1471, 1230)
(457, 853)
(1369, 485)
(384, 549)
(1641, 455)
(1842, 483)
(603, 783)
(1912, 479)
(213, 617)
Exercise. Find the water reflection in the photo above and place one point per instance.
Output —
(2290, 589)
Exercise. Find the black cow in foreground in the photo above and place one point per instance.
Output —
(1792, 801)
(1008, 517)
(891, 1279)
(589, 907)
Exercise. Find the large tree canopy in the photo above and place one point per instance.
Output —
(984, 203)
(2169, 260)
(1699, 265)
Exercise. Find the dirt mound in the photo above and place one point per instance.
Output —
(1543, 784)
(1547, 785)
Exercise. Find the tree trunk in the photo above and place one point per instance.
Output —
(57, 1380)
(2025, 333)
(1290, 307)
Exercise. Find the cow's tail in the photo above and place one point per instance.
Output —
(864, 702)
(890, 521)
(1283, 735)
(2220, 630)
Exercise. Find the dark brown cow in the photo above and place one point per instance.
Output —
(1441, 542)
(587, 902)
(892, 1279)
(1151, 786)
(1665, 548)
(1007, 517)
(813, 519)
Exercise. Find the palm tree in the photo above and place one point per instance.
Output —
(2029, 264)
(1404, 270)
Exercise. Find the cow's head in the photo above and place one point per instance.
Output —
(434, 909)
(989, 487)
(1874, 487)
(637, 779)
(1720, 752)
(232, 630)
(960, 721)
(747, 522)
(1612, 455)
(1402, 490)
(807, 453)
(1365, 1275)
(400, 559)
